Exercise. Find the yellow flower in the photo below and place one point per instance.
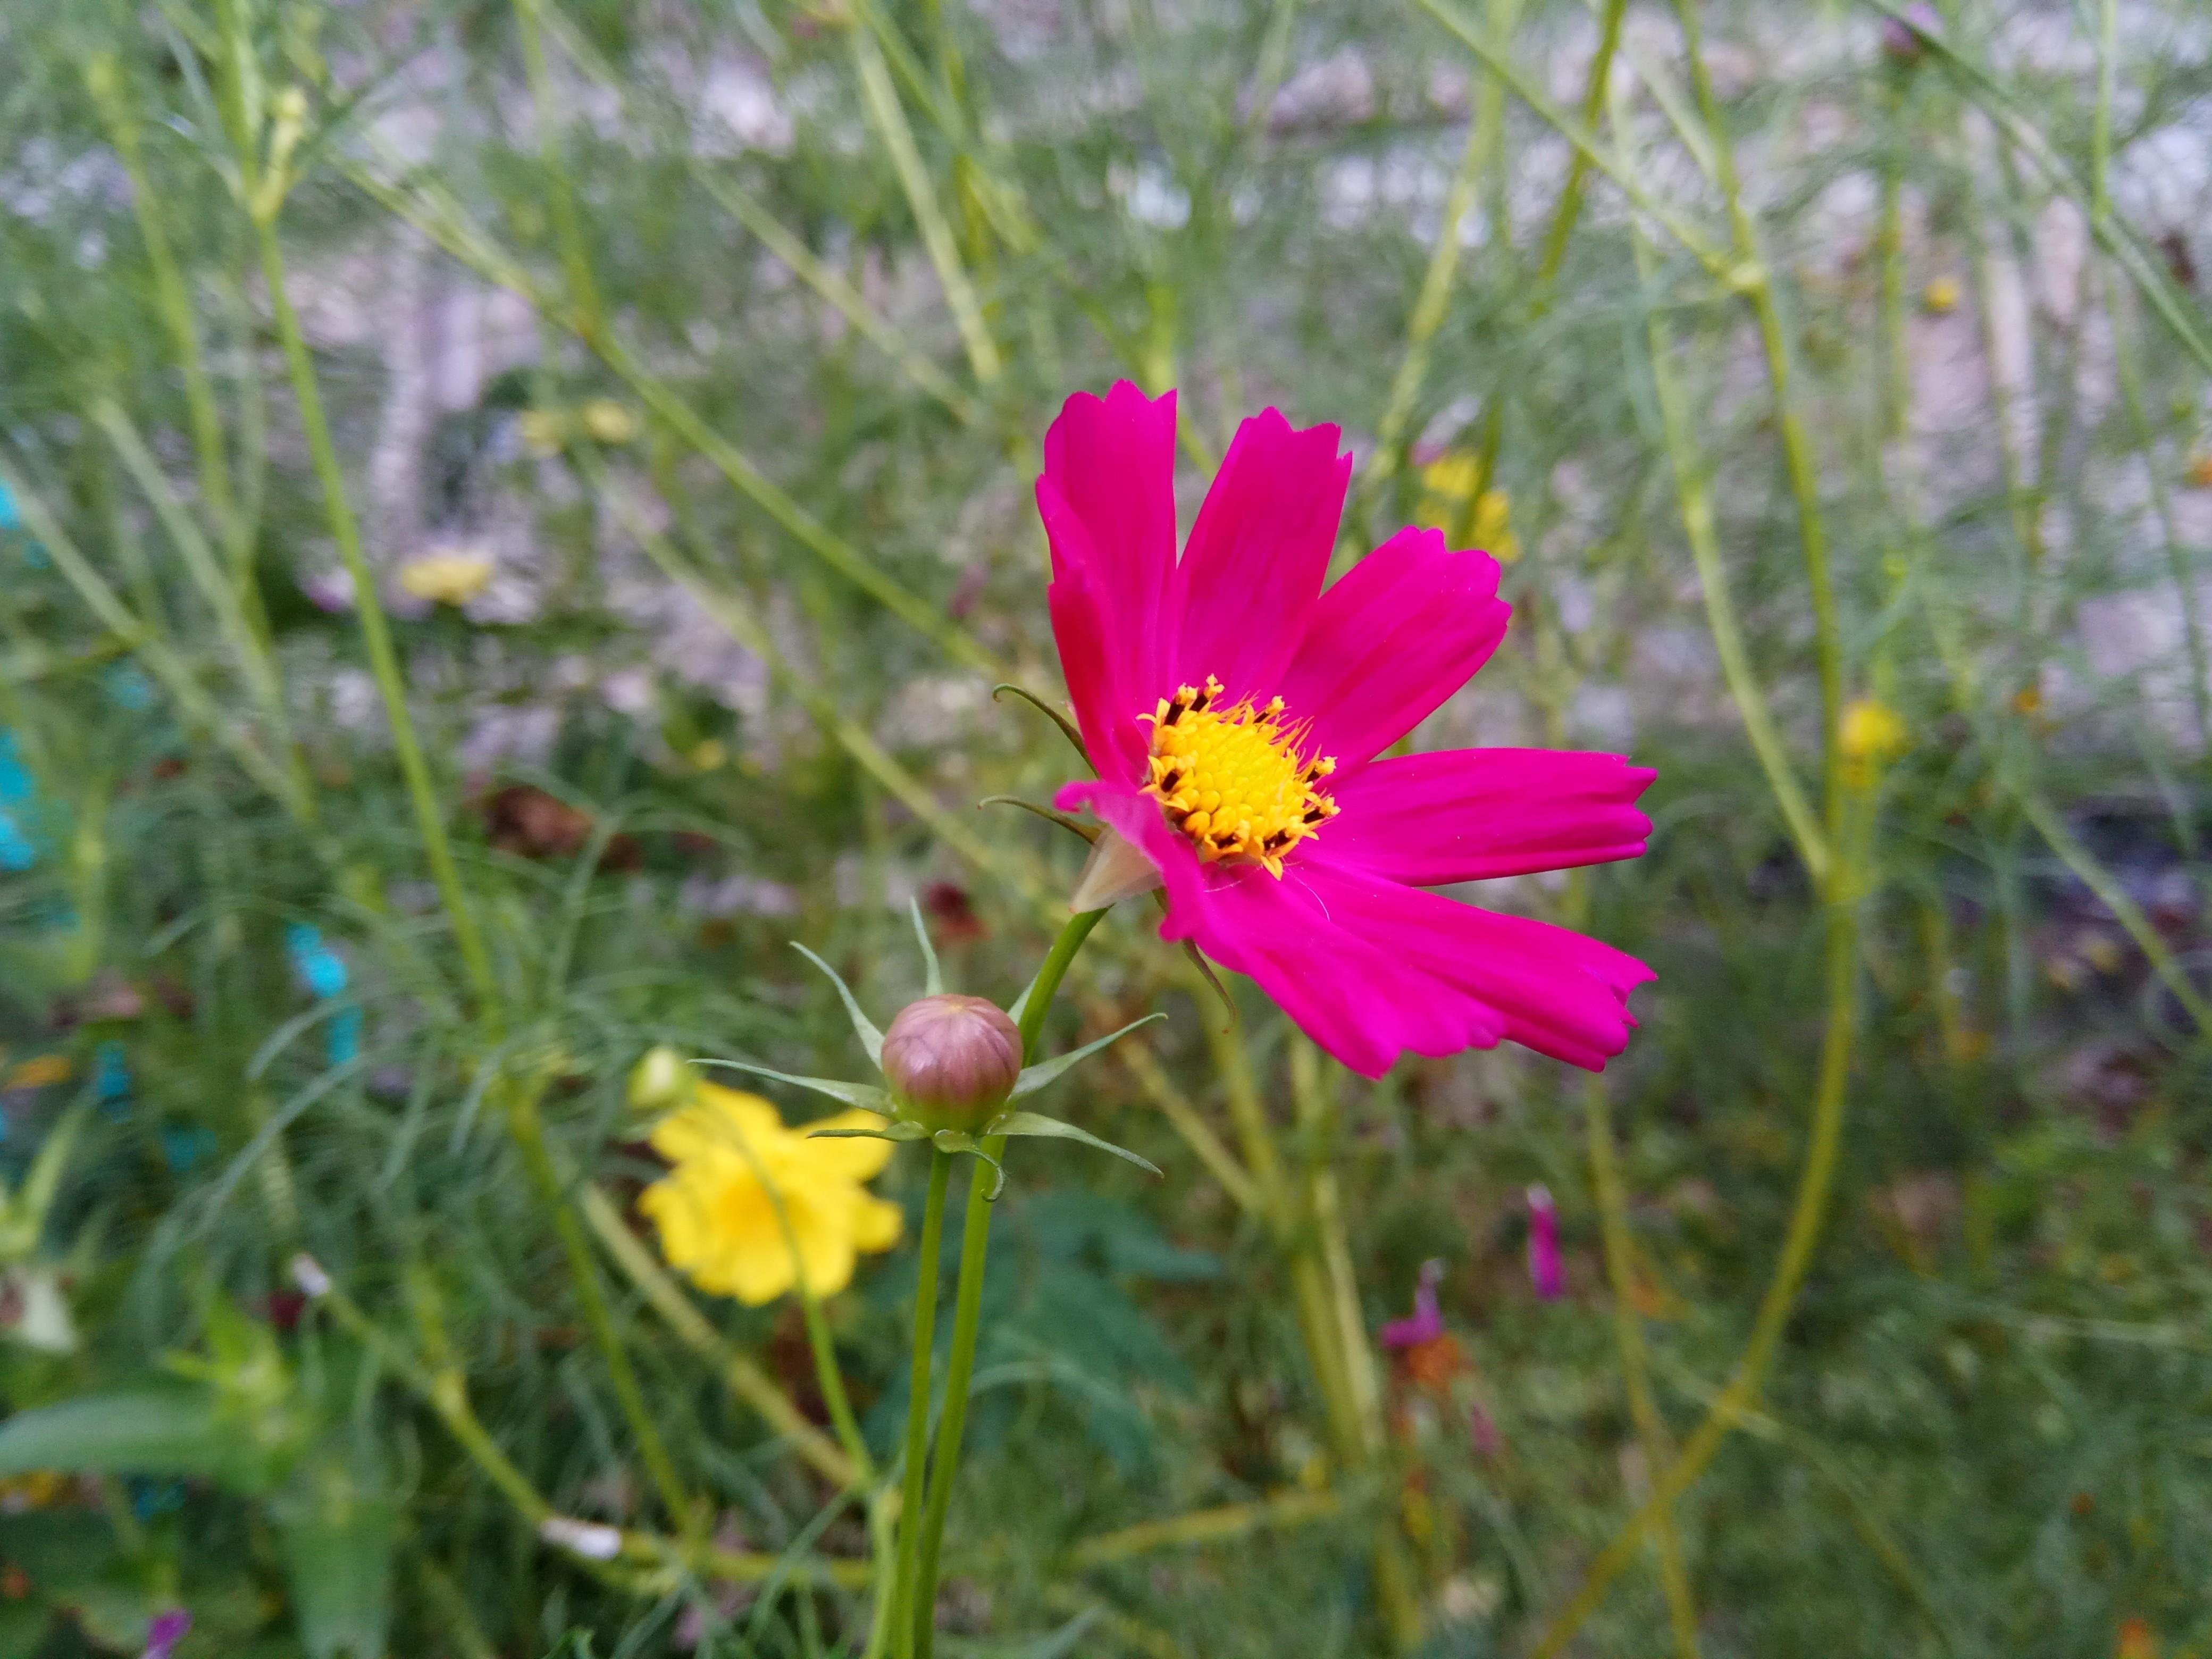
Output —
(1871, 734)
(716, 1209)
(609, 421)
(446, 578)
(543, 430)
(1941, 297)
(1871, 731)
(37, 1072)
(1445, 486)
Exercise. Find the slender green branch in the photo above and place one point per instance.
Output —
(740, 1372)
(1806, 1215)
(889, 118)
(914, 1477)
(1628, 1336)
(1798, 460)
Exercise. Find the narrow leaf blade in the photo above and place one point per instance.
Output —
(865, 1096)
(933, 975)
(1034, 1077)
(863, 1027)
(1034, 1123)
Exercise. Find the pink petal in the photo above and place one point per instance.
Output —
(1370, 968)
(1108, 501)
(1398, 633)
(1106, 713)
(1467, 814)
(1258, 554)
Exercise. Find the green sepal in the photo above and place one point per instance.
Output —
(863, 1027)
(1034, 1077)
(933, 982)
(1089, 831)
(958, 1140)
(1068, 728)
(1034, 1123)
(898, 1130)
(865, 1096)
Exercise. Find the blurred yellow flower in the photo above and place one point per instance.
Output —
(543, 430)
(2200, 469)
(36, 1489)
(446, 578)
(1871, 729)
(37, 1072)
(716, 1208)
(609, 421)
(1941, 297)
(1446, 483)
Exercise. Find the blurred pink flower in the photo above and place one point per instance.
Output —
(1426, 1324)
(165, 1632)
(1235, 714)
(1544, 1272)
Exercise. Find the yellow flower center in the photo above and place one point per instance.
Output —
(1235, 779)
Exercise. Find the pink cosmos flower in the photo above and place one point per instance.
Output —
(1238, 714)
(1426, 1322)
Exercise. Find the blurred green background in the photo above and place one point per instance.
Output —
(684, 367)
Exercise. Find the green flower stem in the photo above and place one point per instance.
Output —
(1323, 1323)
(740, 1372)
(1797, 458)
(917, 1406)
(968, 1307)
(1635, 1370)
(1806, 1214)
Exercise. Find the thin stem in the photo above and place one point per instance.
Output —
(743, 1376)
(967, 1299)
(1808, 1213)
(1628, 1335)
(375, 630)
(914, 1477)
(884, 110)
(1564, 213)
(1797, 457)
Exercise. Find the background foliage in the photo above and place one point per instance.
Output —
(728, 333)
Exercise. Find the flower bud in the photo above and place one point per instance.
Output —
(659, 1080)
(951, 1061)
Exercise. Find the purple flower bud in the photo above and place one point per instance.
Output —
(951, 1061)
(1544, 1245)
(1426, 1324)
(1904, 39)
(165, 1632)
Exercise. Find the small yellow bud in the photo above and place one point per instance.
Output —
(659, 1080)
(543, 430)
(609, 421)
(446, 578)
(289, 107)
(1871, 731)
(1941, 297)
(2200, 469)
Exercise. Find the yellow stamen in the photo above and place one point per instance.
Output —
(1235, 779)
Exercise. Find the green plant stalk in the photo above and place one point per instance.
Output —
(104, 78)
(1323, 1323)
(444, 224)
(1628, 1336)
(176, 677)
(1757, 284)
(913, 1480)
(888, 117)
(376, 631)
(1213, 1526)
(1806, 1215)
(1564, 213)
(1699, 529)
(2128, 370)
(740, 1371)
(2114, 234)
(967, 1299)
(568, 228)
(523, 1121)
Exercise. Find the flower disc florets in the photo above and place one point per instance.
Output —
(951, 1061)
